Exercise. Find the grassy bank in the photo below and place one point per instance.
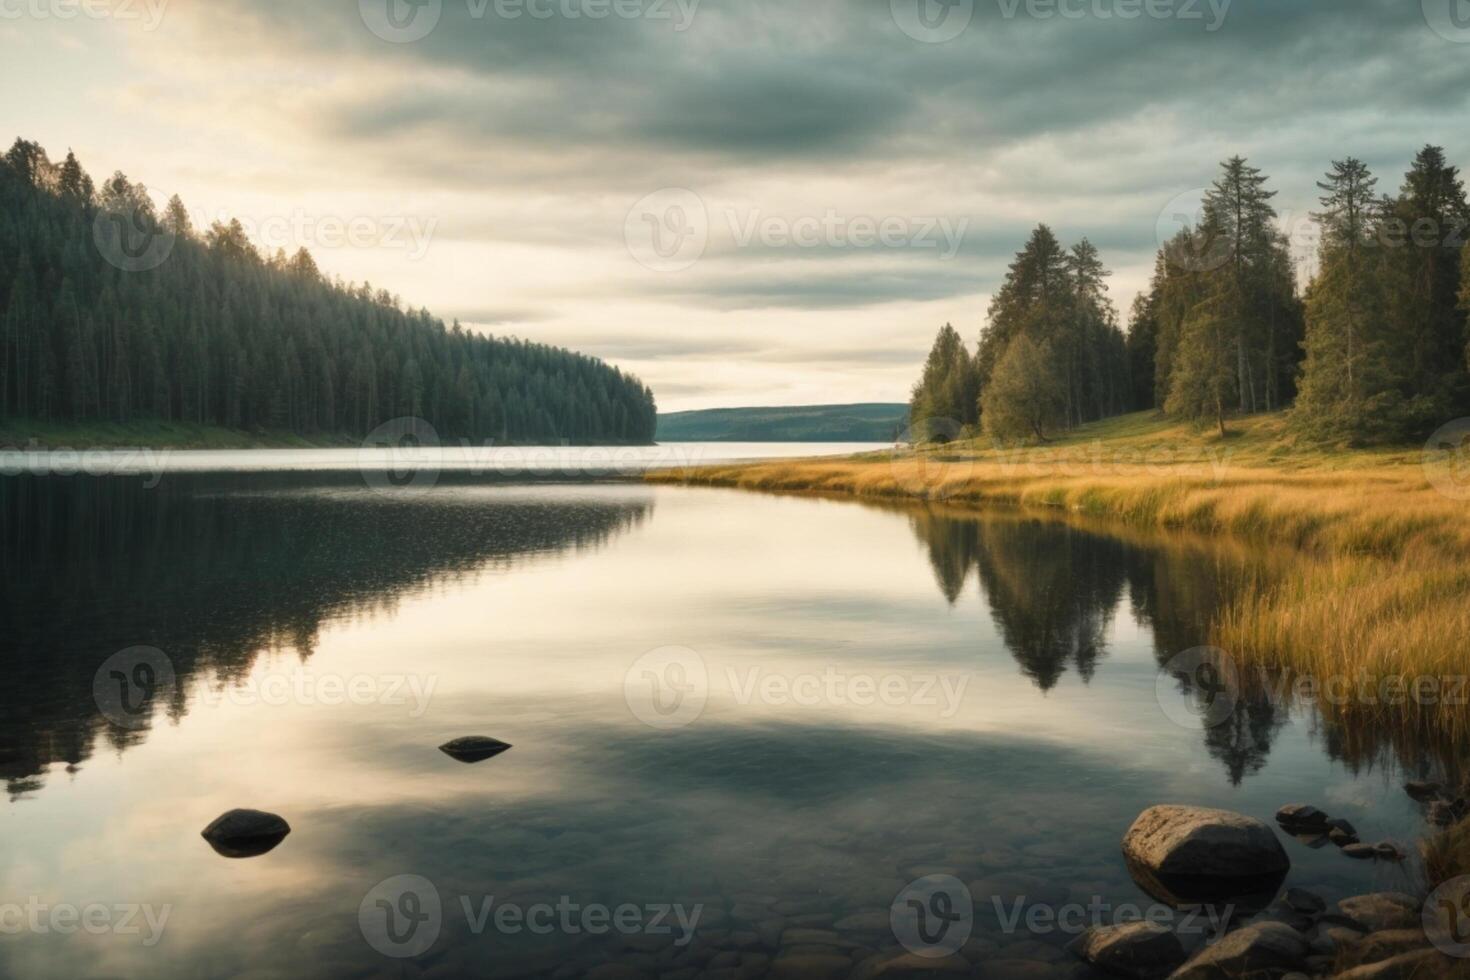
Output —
(1383, 588)
(28, 435)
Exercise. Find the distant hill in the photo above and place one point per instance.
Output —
(804, 423)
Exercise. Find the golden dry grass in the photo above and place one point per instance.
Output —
(1381, 595)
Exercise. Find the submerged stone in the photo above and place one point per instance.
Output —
(1301, 817)
(1423, 791)
(474, 749)
(1268, 949)
(246, 833)
(1144, 950)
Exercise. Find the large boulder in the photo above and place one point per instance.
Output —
(1185, 855)
(1137, 949)
(1269, 947)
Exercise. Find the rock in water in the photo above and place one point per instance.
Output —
(1360, 852)
(1139, 949)
(1298, 817)
(1268, 949)
(1424, 791)
(1185, 855)
(246, 833)
(474, 749)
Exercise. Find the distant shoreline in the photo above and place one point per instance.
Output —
(29, 436)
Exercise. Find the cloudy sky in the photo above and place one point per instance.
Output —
(742, 201)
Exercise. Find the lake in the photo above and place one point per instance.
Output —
(742, 727)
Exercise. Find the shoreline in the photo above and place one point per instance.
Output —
(1382, 589)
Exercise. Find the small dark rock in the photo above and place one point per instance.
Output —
(1424, 791)
(1388, 851)
(1342, 838)
(1305, 902)
(1360, 852)
(474, 749)
(1441, 814)
(1300, 817)
(1338, 823)
(1314, 841)
(246, 833)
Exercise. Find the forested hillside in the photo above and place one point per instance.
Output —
(1373, 350)
(110, 311)
(804, 423)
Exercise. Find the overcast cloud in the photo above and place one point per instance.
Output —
(742, 201)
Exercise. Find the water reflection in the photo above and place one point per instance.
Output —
(215, 569)
(1054, 590)
(790, 824)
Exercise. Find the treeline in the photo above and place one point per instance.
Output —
(110, 311)
(1374, 350)
(1052, 356)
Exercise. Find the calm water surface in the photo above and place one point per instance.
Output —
(773, 712)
